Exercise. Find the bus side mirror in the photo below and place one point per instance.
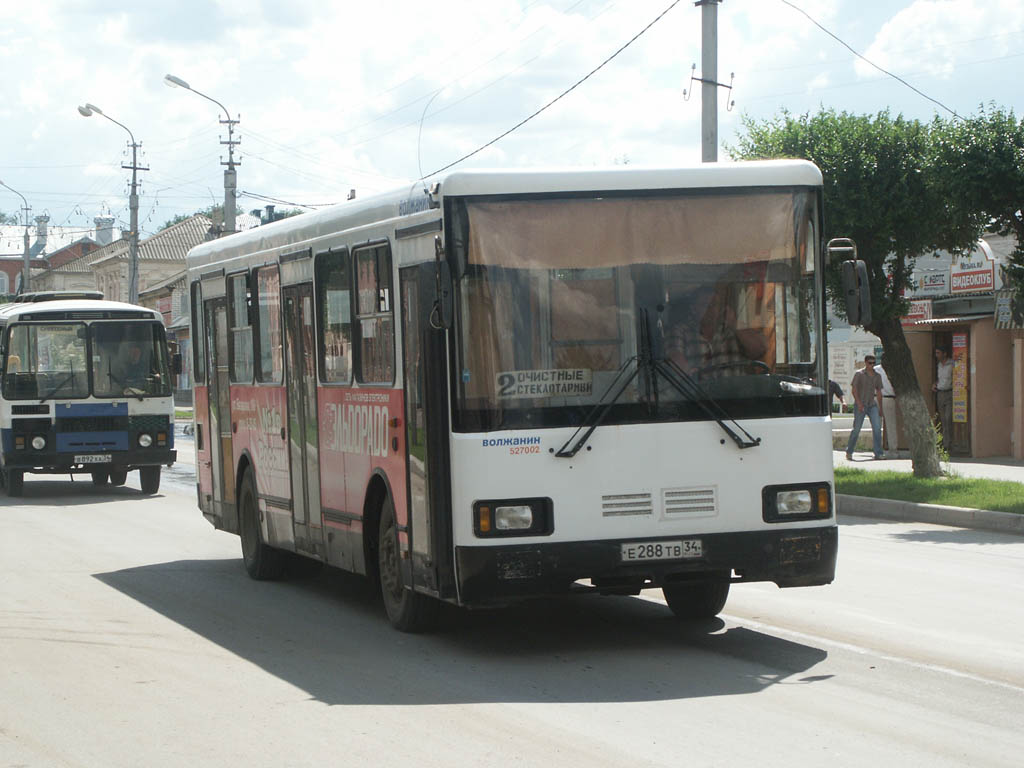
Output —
(176, 363)
(854, 280)
(444, 310)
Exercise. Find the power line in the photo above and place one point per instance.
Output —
(868, 61)
(564, 93)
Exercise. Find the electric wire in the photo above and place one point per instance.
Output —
(560, 96)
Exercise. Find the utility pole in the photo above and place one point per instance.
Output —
(133, 202)
(230, 176)
(26, 210)
(709, 80)
(133, 242)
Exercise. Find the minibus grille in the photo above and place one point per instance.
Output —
(93, 424)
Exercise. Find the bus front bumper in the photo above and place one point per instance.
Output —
(791, 557)
(44, 463)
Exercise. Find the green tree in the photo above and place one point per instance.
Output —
(980, 161)
(6, 218)
(879, 192)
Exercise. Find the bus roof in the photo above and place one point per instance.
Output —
(410, 204)
(71, 309)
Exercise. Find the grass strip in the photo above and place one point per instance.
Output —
(954, 491)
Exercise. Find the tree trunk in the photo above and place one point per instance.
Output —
(917, 421)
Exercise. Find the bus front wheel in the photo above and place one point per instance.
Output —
(262, 562)
(118, 476)
(99, 478)
(149, 479)
(408, 611)
(703, 600)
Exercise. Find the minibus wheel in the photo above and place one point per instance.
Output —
(14, 481)
(702, 600)
(408, 611)
(262, 562)
(118, 476)
(149, 478)
(99, 478)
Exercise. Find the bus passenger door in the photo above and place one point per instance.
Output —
(303, 429)
(425, 357)
(219, 396)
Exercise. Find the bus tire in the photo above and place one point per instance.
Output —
(14, 481)
(407, 610)
(703, 600)
(149, 479)
(262, 562)
(118, 476)
(99, 478)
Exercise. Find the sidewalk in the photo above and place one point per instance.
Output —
(999, 468)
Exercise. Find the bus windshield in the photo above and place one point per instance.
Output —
(52, 361)
(557, 296)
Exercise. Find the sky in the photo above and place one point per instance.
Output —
(371, 96)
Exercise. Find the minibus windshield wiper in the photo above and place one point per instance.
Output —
(60, 386)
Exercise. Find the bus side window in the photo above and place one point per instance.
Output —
(375, 329)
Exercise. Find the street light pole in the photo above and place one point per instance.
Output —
(26, 210)
(230, 176)
(133, 204)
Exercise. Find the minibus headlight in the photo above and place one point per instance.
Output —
(513, 517)
(145, 440)
(793, 502)
(39, 442)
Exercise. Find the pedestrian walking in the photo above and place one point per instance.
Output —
(867, 395)
(834, 391)
(943, 388)
(888, 409)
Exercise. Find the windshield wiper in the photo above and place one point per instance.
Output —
(679, 379)
(56, 389)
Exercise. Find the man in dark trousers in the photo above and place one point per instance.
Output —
(867, 394)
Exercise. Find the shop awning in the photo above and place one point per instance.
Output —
(948, 320)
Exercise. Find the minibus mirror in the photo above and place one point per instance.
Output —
(176, 363)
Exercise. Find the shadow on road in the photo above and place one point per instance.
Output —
(67, 493)
(328, 636)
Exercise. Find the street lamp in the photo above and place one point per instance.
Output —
(230, 177)
(133, 204)
(26, 209)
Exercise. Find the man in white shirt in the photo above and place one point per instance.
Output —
(943, 388)
(888, 409)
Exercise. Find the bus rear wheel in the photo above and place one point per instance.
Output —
(702, 600)
(149, 478)
(262, 562)
(408, 611)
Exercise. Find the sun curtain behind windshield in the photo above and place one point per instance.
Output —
(553, 294)
(70, 360)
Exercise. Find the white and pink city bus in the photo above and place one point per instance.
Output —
(507, 385)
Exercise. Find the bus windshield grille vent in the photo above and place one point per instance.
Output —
(692, 502)
(617, 504)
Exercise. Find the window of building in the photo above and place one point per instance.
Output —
(3, 283)
(270, 339)
(333, 279)
(374, 316)
(240, 328)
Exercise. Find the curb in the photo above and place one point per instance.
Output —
(909, 511)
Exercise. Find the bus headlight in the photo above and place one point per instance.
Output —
(783, 503)
(39, 442)
(145, 440)
(512, 517)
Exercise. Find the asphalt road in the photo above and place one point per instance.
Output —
(131, 636)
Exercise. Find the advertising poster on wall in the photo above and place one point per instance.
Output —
(960, 378)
